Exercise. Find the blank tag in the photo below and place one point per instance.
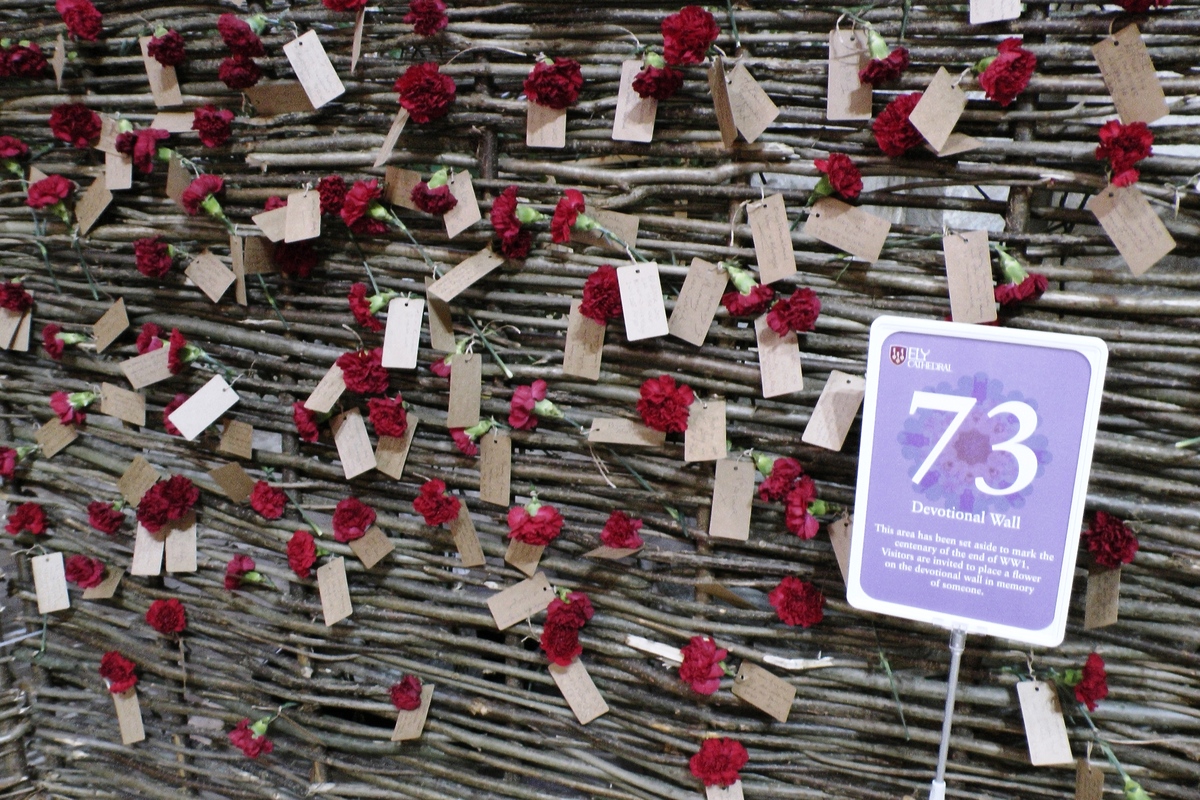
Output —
(753, 111)
(1045, 731)
(20, 340)
(372, 547)
(208, 273)
(59, 60)
(623, 227)
(1130, 222)
(847, 228)
(466, 385)
(835, 411)
(164, 84)
(466, 212)
(956, 144)
(840, 531)
(983, 11)
(545, 127)
(466, 540)
(398, 187)
(969, 275)
(633, 120)
(520, 601)
(402, 337)
(50, 583)
(460, 278)
(392, 451)
(524, 557)
(10, 321)
(118, 172)
(1089, 781)
(107, 587)
(318, 77)
(204, 407)
(393, 136)
(778, 360)
(698, 302)
(1103, 593)
(495, 468)
(237, 439)
(279, 97)
(89, 207)
(938, 110)
(410, 724)
(579, 691)
(109, 131)
(356, 46)
(129, 716)
(179, 549)
(846, 96)
(147, 369)
(353, 443)
(642, 302)
(273, 223)
(123, 404)
(328, 391)
(335, 591)
(112, 324)
(704, 439)
(615, 430)
(137, 479)
(173, 121)
(731, 792)
(584, 347)
(1130, 76)
(178, 179)
(234, 481)
(302, 216)
(441, 326)
(718, 87)
(771, 695)
(611, 553)
(147, 553)
(53, 436)
(772, 238)
(733, 495)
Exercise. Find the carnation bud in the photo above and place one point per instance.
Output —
(764, 463)
(124, 126)
(654, 60)
(527, 214)
(260, 726)
(817, 508)
(376, 302)
(1012, 268)
(439, 179)
(478, 429)
(742, 280)
(1134, 790)
(80, 400)
(877, 44)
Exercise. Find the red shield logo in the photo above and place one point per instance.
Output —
(899, 354)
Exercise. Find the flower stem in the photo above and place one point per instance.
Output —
(363, 257)
(508, 373)
(271, 300)
(86, 269)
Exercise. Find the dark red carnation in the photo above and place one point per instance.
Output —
(388, 417)
(797, 602)
(894, 134)
(200, 190)
(176, 351)
(514, 241)
(435, 505)
(521, 407)
(11, 147)
(357, 202)
(250, 743)
(344, 5)
(784, 473)
(306, 423)
(212, 124)
(1093, 686)
(1009, 73)
(433, 201)
(8, 463)
(1123, 146)
(879, 71)
(168, 617)
(844, 177)
(48, 191)
(555, 85)
(153, 258)
(84, 572)
(701, 667)
(1012, 293)
(142, 147)
(363, 371)
(149, 337)
(351, 519)
(169, 409)
(748, 305)
(166, 501)
(406, 695)
(295, 259)
(26, 62)
(50, 341)
(26, 517)
(82, 19)
(688, 34)
(13, 297)
(118, 671)
(152, 509)
(660, 84)
(75, 124)
(239, 37)
(797, 313)
(797, 517)
(719, 762)
(425, 92)
(168, 49)
(621, 532)
(239, 72)
(1110, 541)
(104, 518)
(237, 568)
(426, 16)
(68, 414)
(301, 553)
(539, 529)
(268, 501)
(569, 207)
(360, 307)
(601, 295)
(332, 189)
(560, 633)
(1141, 6)
(664, 404)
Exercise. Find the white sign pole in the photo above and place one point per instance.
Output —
(958, 641)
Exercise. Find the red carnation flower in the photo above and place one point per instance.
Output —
(27, 517)
(357, 202)
(406, 695)
(166, 501)
(239, 72)
(687, 35)
(239, 37)
(435, 505)
(894, 134)
(425, 92)
(797, 602)
(152, 510)
(268, 501)
(169, 409)
(554, 85)
(426, 16)
(84, 572)
(664, 404)
(784, 472)
(388, 417)
(360, 307)
(25, 62)
(569, 207)
(441, 367)
(167, 49)
(150, 336)
(75, 124)
(1123, 146)
(200, 190)
(799, 521)
(514, 241)
(351, 519)
(142, 147)
(756, 302)
(797, 313)
(176, 351)
(68, 414)
(306, 422)
(11, 147)
(879, 71)
(660, 84)
(602, 295)
(521, 408)
(332, 189)
(153, 258)
(51, 343)
(301, 553)
(719, 762)
(48, 191)
(251, 744)
(465, 444)
(433, 201)
(82, 19)
(295, 259)
(1008, 73)
(351, 6)
(13, 297)
(560, 633)
(621, 532)
(104, 518)
(1093, 686)
(538, 529)
(118, 671)
(238, 567)
(363, 371)
(213, 124)
(8, 463)
(701, 667)
(1110, 541)
(844, 178)
(1141, 6)
(1032, 287)
(168, 617)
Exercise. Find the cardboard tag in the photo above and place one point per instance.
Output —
(721, 592)
(634, 118)
(335, 591)
(410, 724)
(302, 216)
(1130, 76)
(204, 407)
(234, 481)
(123, 404)
(622, 227)
(147, 369)
(36, 174)
(118, 172)
(279, 97)
(938, 110)
(1089, 781)
(58, 61)
(402, 337)
(50, 583)
(579, 691)
(147, 553)
(273, 223)
(545, 127)
(208, 273)
(969, 276)
(179, 549)
(353, 443)
(984, 11)
(733, 495)
(753, 111)
(398, 187)
(772, 239)
(173, 121)
(719, 89)
(846, 97)
(441, 326)
(129, 716)
(704, 439)
(392, 451)
(524, 557)
(466, 385)
(698, 302)
(237, 257)
(10, 321)
(771, 695)
(847, 228)
(316, 74)
(107, 587)
(495, 468)
(356, 45)
(778, 360)
(1103, 593)
(237, 439)
(137, 479)
(111, 324)
(642, 302)
(615, 430)
(520, 601)
(178, 179)
(20, 340)
(164, 84)
(731, 792)
(53, 436)
(462, 277)
(256, 253)
(1045, 731)
(466, 541)
(372, 547)
(89, 207)
(956, 144)
(611, 553)
(466, 212)
(393, 136)
(328, 391)
(109, 131)
(835, 411)
(1135, 230)
(584, 346)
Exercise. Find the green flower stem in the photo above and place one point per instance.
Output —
(547, 410)
(363, 257)
(653, 59)
(1188, 442)
(508, 373)
(528, 214)
(316, 529)
(479, 429)
(982, 64)
(823, 189)
(377, 301)
(87, 271)
(671, 510)
(271, 300)
(737, 39)
(764, 463)
(81, 400)
(46, 260)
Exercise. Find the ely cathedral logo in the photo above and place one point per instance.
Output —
(898, 354)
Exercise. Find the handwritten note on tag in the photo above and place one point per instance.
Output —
(704, 439)
(1130, 222)
(969, 276)
(771, 695)
(1103, 594)
(278, 97)
(147, 369)
(938, 110)
(137, 479)
(353, 443)
(463, 276)
(733, 494)
(847, 228)
(466, 212)
(204, 407)
(579, 691)
(984, 11)
(212, 276)
(779, 364)
(273, 223)
(1130, 76)
(642, 302)
(164, 85)
(50, 583)
(466, 539)
(615, 430)
(53, 436)
(313, 69)
(402, 337)
(410, 724)
(1045, 731)
(634, 118)
(753, 111)
(112, 324)
(719, 88)
(371, 548)
(520, 601)
(107, 587)
(123, 404)
(392, 451)
(302, 216)
(584, 346)
(772, 238)
(545, 127)
(698, 302)
(495, 468)
(846, 97)
(524, 557)
(237, 439)
(335, 591)
(327, 392)
(89, 207)
(466, 386)
(835, 411)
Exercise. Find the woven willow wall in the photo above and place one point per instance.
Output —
(498, 727)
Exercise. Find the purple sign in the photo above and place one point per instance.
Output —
(976, 448)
